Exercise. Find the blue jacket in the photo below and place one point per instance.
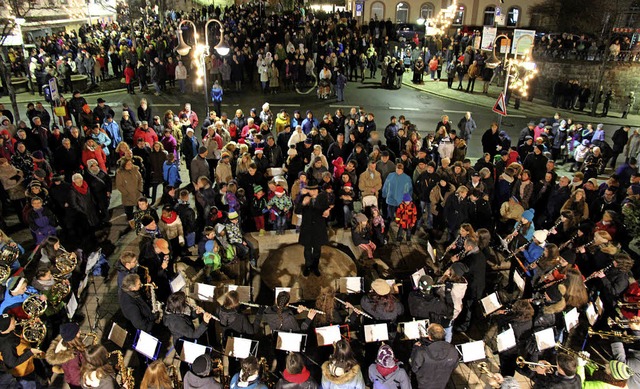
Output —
(171, 174)
(113, 129)
(13, 301)
(395, 186)
(308, 124)
(103, 140)
(216, 94)
(532, 253)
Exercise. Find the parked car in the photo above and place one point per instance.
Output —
(408, 31)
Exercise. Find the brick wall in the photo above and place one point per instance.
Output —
(621, 77)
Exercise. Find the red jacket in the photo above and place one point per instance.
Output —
(149, 136)
(97, 154)
(406, 215)
(129, 75)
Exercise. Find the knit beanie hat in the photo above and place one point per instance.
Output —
(619, 370)
(202, 365)
(386, 358)
(15, 283)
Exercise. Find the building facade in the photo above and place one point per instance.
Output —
(469, 12)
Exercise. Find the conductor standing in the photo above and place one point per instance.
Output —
(314, 208)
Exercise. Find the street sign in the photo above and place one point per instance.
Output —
(53, 87)
(359, 9)
(500, 107)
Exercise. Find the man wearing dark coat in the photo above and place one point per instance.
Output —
(314, 208)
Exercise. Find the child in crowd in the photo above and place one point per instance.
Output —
(406, 217)
(377, 223)
(280, 205)
(258, 208)
(188, 217)
(171, 228)
(144, 209)
(347, 196)
(361, 235)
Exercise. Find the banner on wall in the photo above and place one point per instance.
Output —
(488, 38)
(522, 41)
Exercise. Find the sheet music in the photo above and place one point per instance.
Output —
(412, 329)
(191, 351)
(178, 283)
(491, 303)
(117, 335)
(376, 332)
(592, 315)
(351, 284)
(289, 341)
(472, 351)
(241, 348)
(545, 339)
(92, 260)
(415, 277)
(506, 340)
(571, 319)
(205, 292)
(520, 282)
(328, 335)
(83, 285)
(146, 345)
(232, 287)
(431, 252)
(72, 306)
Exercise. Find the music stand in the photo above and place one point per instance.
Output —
(350, 285)
(571, 319)
(491, 303)
(471, 351)
(294, 293)
(118, 335)
(328, 335)
(291, 341)
(72, 306)
(519, 280)
(244, 292)
(205, 292)
(240, 348)
(415, 277)
(506, 340)
(191, 350)
(376, 333)
(147, 345)
(177, 283)
(412, 330)
(545, 339)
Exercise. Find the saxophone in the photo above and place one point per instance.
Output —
(126, 373)
(174, 374)
(156, 306)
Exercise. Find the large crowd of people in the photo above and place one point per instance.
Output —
(550, 246)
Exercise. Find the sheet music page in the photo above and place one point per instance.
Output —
(491, 303)
(592, 315)
(520, 282)
(412, 329)
(82, 285)
(72, 306)
(415, 277)
(431, 251)
(178, 283)
(232, 287)
(92, 260)
(472, 351)
(352, 284)
(571, 319)
(241, 347)
(545, 339)
(205, 292)
(146, 345)
(328, 335)
(191, 351)
(289, 341)
(506, 340)
(376, 332)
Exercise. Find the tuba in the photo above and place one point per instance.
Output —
(5, 272)
(33, 330)
(8, 254)
(33, 306)
(66, 262)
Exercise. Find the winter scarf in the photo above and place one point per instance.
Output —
(83, 189)
(299, 378)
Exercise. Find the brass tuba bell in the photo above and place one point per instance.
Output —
(8, 254)
(66, 262)
(33, 306)
(33, 330)
(5, 272)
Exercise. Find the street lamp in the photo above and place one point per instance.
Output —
(201, 52)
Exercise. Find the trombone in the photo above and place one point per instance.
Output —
(622, 323)
(629, 306)
(579, 354)
(521, 362)
(623, 336)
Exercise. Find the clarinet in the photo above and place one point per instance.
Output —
(532, 264)
(356, 310)
(556, 225)
(516, 251)
(567, 243)
(584, 246)
(592, 276)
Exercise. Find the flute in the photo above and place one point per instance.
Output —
(356, 310)
(196, 307)
(253, 305)
(304, 308)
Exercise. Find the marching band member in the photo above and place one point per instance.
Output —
(596, 256)
(523, 230)
(17, 290)
(535, 250)
(249, 376)
(231, 319)
(16, 358)
(279, 317)
(466, 231)
(178, 318)
(342, 370)
(200, 375)
(156, 376)
(521, 320)
(476, 262)
(565, 376)
(613, 280)
(387, 371)
(564, 231)
(65, 353)
(433, 360)
(134, 307)
(454, 276)
(380, 303)
(326, 303)
(96, 371)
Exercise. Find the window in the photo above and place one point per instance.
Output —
(513, 16)
(426, 11)
(402, 13)
(489, 16)
(458, 18)
(377, 10)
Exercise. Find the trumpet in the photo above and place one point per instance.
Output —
(630, 305)
(623, 336)
(579, 354)
(356, 310)
(521, 362)
(305, 308)
(622, 323)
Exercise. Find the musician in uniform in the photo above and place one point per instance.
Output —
(314, 208)
(134, 307)
(565, 376)
(433, 360)
(16, 358)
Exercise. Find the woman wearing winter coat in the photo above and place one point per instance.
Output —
(129, 183)
(66, 353)
(81, 203)
(171, 172)
(387, 372)
(274, 78)
(157, 158)
(92, 150)
(342, 371)
(296, 375)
